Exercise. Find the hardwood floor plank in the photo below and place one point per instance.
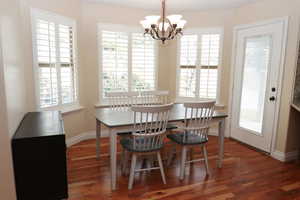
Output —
(246, 174)
(222, 196)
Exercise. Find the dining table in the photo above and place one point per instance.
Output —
(116, 118)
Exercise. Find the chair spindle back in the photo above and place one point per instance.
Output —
(150, 123)
(154, 97)
(122, 100)
(198, 117)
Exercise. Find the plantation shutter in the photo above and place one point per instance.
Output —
(55, 59)
(67, 66)
(114, 48)
(199, 61)
(127, 60)
(143, 62)
(210, 45)
(188, 60)
(47, 65)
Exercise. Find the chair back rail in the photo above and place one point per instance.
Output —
(122, 99)
(150, 123)
(198, 117)
(154, 97)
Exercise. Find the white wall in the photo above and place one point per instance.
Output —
(7, 190)
(12, 90)
(14, 68)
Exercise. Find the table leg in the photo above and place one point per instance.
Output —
(98, 137)
(113, 158)
(221, 142)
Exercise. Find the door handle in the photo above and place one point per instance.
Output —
(272, 98)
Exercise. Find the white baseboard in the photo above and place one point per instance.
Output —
(84, 136)
(285, 157)
(104, 133)
(213, 131)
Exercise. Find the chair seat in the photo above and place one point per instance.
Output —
(187, 138)
(125, 133)
(127, 143)
(171, 126)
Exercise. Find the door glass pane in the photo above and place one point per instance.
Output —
(254, 82)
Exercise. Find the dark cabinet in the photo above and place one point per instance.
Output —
(39, 157)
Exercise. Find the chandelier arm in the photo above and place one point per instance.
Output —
(171, 28)
(156, 33)
(151, 34)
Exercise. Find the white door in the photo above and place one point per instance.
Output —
(258, 57)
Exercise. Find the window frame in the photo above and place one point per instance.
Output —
(199, 32)
(57, 19)
(128, 30)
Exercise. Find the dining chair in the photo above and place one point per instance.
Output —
(147, 138)
(194, 133)
(158, 97)
(121, 100)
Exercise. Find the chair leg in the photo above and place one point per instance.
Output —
(191, 154)
(205, 159)
(161, 167)
(132, 170)
(171, 155)
(183, 160)
(125, 159)
(149, 163)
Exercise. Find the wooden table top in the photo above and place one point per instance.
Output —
(124, 117)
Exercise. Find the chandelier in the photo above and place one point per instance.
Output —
(163, 27)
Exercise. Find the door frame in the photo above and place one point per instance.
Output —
(236, 29)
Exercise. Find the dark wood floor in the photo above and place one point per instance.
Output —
(246, 174)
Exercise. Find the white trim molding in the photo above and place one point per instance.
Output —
(84, 136)
(104, 133)
(285, 157)
(285, 21)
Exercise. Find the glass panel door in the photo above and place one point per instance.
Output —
(254, 83)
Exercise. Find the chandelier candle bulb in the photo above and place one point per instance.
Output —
(161, 27)
(152, 19)
(145, 24)
(174, 18)
(181, 24)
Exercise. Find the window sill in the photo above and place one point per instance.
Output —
(71, 109)
(99, 105)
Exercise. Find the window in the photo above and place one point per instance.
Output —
(114, 61)
(127, 59)
(143, 62)
(199, 59)
(55, 59)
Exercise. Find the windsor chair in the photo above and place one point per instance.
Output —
(147, 138)
(159, 97)
(121, 100)
(197, 122)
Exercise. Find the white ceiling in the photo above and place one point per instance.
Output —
(178, 5)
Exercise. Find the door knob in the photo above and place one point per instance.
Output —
(272, 98)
